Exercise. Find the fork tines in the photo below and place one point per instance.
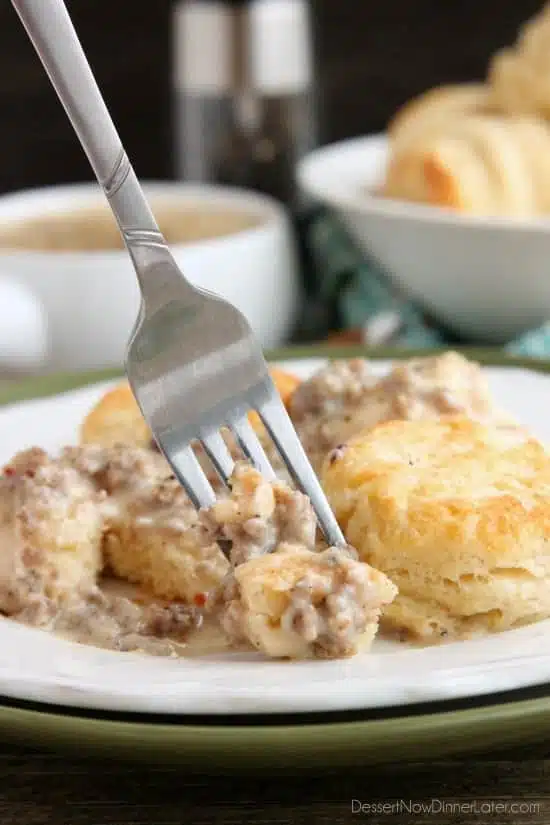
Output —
(280, 428)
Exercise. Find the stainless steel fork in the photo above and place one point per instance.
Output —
(193, 362)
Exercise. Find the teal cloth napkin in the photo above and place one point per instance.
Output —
(344, 290)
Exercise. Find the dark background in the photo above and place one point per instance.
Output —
(372, 55)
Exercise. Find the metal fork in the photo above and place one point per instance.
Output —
(192, 362)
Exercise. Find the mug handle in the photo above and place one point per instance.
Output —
(24, 339)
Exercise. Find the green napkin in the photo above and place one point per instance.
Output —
(344, 290)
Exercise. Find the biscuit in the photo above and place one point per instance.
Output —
(285, 596)
(116, 418)
(347, 397)
(164, 559)
(297, 604)
(148, 523)
(457, 514)
(270, 589)
(52, 526)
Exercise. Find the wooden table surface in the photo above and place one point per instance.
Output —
(53, 789)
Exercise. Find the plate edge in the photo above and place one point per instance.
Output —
(49, 385)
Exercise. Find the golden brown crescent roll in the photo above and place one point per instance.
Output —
(519, 76)
(435, 106)
(477, 164)
(416, 128)
(116, 418)
(457, 514)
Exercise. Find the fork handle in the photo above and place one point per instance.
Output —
(53, 35)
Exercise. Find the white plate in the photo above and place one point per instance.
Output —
(35, 665)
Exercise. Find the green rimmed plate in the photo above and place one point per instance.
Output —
(292, 744)
(310, 741)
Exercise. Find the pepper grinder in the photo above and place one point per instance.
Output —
(281, 82)
(211, 144)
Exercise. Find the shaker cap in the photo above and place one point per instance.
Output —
(202, 47)
(280, 46)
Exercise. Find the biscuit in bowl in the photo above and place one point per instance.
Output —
(436, 106)
(422, 124)
(476, 164)
(519, 76)
(457, 514)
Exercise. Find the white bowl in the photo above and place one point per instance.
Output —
(88, 300)
(487, 278)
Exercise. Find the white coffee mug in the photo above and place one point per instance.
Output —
(23, 329)
(77, 308)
